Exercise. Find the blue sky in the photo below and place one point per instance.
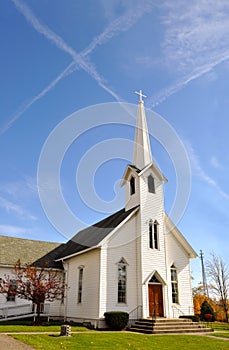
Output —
(58, 57)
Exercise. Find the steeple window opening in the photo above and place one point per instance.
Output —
(151, 184)
(151, 234)
(132, 185)
(155, 235)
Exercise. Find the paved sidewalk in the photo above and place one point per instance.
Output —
(9, 343)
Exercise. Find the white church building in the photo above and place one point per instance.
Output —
(135, 260)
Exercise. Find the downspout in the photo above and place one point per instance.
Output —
(166, 288)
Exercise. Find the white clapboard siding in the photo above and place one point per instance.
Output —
(134, 199)
(152, 208)
(177, 256)
(123, 244)
(89, 307)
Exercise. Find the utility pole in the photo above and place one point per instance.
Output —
(204, 279)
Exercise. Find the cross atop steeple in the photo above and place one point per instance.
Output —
(141, 95)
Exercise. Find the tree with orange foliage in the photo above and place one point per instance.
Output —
(34, 284)
(198, 301)
(199, 297)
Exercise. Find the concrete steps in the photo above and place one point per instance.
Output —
(168, 326)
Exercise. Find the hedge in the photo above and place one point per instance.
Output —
(191, 317)
(116, 319)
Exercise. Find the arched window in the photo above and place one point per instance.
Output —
(153, 235)
(80, 285)
(122, 275)
(151, 184)
(132, 185)
(174, 284)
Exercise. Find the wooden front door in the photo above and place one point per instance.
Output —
(155, 300)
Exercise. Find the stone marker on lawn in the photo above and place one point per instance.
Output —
(65, 331)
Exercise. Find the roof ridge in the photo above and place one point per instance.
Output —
(27, 239)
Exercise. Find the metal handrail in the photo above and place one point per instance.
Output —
(179, 310)
(9, 310)
(132, 312)
(154, 312)
(22, 309)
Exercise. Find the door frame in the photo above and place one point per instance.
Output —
(162, 296)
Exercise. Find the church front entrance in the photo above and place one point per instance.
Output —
(155, 300)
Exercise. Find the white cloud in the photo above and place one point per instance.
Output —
(79, 60)
(195, 41)
(23, 188)
(120, 24)
(215, 163)
(200, 172)
(18, 209)
(68, 70)
(16, 196)
(196, 33)
(10, 230)
(185, 80)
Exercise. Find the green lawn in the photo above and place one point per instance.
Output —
(221, 335)
(220, 326)
(122, 340)
(220, 329)
(28, 328)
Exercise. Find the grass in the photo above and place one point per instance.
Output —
(220, 326)
(220, 329)
(122, 341)
(27, 326)
(221, 335)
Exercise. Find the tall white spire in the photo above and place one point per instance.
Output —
(142, 152)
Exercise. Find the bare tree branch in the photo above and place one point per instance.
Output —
(219, 276)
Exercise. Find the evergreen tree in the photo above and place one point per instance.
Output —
(206, 309)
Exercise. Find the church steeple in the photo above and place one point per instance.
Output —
(142, 152)
(143, 179)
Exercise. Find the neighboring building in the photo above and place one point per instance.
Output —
(135, 260)
(11, 250)
(26, 250)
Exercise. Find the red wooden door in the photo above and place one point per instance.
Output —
(155, 300)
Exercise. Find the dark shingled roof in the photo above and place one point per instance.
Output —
(87, 238)
(65, 249)
(135, 168)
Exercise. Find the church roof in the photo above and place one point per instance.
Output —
(27, 250)
(131, 168)
(89, 237)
